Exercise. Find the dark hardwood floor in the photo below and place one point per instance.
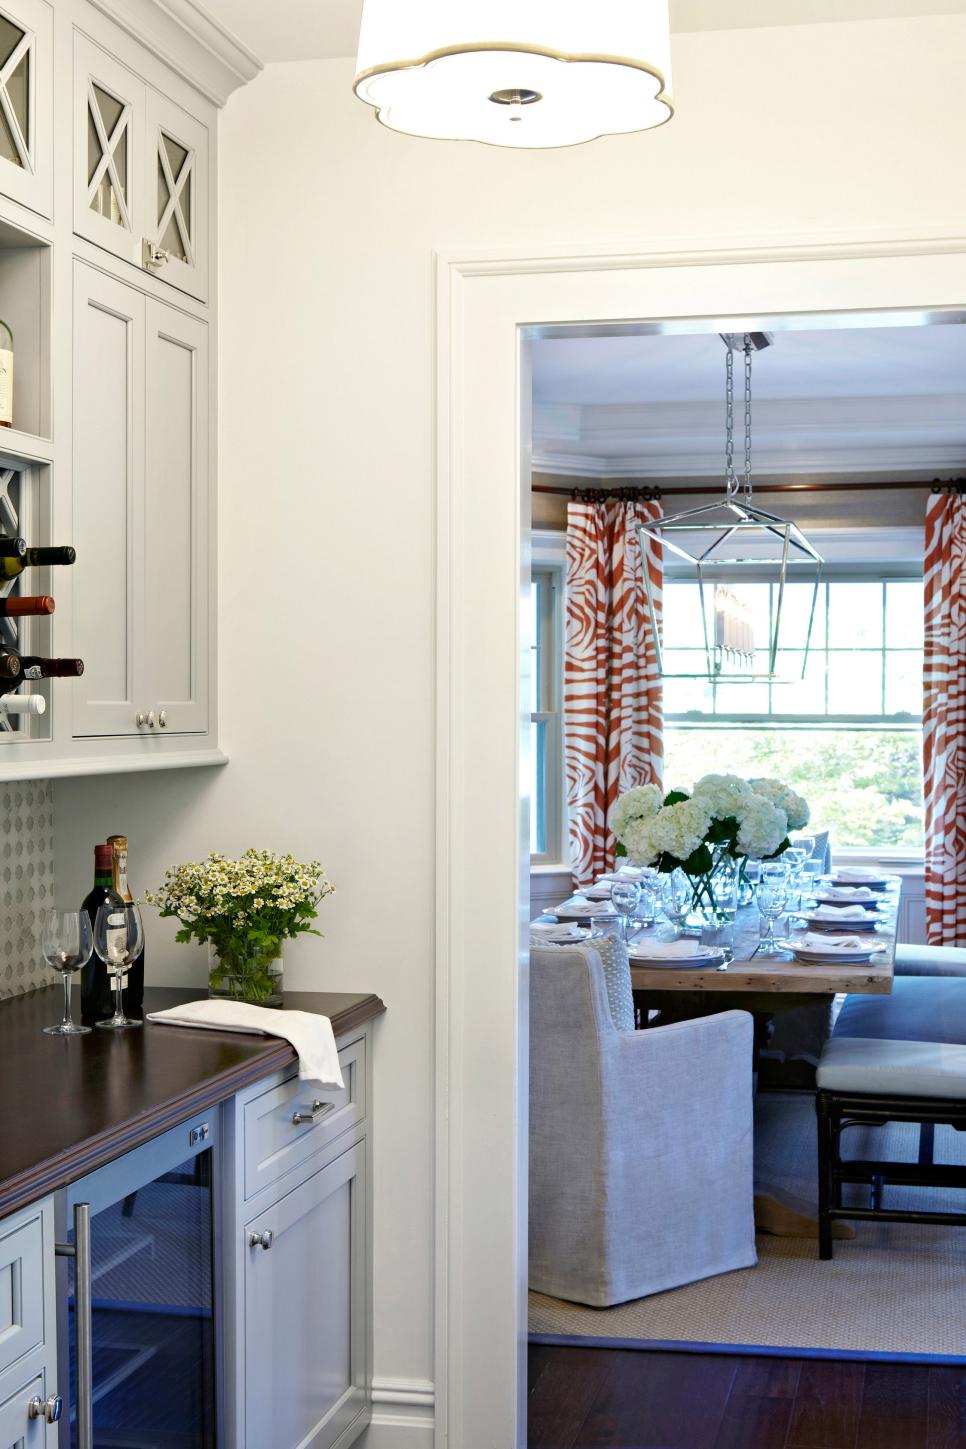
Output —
(587, 1398)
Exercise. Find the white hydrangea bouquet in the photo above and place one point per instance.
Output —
(725, 819)
(244, 909)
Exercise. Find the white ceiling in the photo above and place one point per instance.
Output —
(317, 29)
(889, 400)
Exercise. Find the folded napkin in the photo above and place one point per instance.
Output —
(582, 906)
(599, 892)
(851, 893)
(310, 1035)
(855, 872)
(820, 944)
(627, 872)
(557, 929)
(669, 950)
(841, 913)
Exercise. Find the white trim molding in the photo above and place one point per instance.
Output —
(403, 1415)
(187, 37)
(488, 307)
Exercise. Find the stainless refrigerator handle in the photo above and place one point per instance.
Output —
(80, 1251)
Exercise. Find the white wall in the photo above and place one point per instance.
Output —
(328, 227)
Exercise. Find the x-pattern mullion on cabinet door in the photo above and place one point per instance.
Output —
(109, 145)
(9, 528)
(23, 48)
(176, 190)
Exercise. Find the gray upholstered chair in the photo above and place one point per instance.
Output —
(913, 960)
(640, 1141)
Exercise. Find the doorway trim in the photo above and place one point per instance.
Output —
(488, 306)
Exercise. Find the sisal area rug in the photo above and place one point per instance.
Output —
(895, 1288)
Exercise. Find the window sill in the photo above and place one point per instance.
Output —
(552, 868)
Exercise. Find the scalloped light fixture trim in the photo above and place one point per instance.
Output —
(522, 73)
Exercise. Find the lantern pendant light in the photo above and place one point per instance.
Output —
(714, 547)
(523, 73)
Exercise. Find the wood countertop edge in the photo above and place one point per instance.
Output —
(92, 1152)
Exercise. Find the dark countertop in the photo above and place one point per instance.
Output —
(70, 1104)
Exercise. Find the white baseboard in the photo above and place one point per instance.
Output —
(403, 1415)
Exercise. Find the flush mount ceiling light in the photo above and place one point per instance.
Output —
(525, 73)
(742, 564)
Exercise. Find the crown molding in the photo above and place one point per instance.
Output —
(882, 462)
(186, 36)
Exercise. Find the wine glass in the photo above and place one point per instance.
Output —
(795, 857)
(118, 938)
(625, 896)
(676, 898)
(66, 944)
(772, 893)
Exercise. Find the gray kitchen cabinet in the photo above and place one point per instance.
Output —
(28, 1338)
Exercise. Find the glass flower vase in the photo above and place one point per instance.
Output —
(239, 971)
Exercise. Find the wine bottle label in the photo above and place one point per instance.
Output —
(6, 387)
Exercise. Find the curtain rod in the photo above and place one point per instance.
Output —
(952, 485)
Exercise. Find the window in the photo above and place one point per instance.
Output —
(848, 735)
(546, 717)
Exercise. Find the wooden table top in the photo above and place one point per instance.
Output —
(71, 1104)
(781, 974)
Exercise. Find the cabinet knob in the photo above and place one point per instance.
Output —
(261, 1240)
(151, 719)
(163, 719)
(49, 1409)
(140, 719)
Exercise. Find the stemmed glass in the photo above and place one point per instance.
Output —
(625, 896)
(794, 858)
(118, 938)
(676, 898)
(772, 893)
(66, 944)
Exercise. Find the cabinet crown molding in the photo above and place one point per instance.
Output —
(187, 37)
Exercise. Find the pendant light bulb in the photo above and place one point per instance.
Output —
(537, 74)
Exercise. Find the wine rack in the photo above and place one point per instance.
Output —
(16, 517)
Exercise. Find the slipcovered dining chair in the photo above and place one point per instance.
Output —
(640, 1141)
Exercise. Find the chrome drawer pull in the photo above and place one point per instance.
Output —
(49, 1409)
(315, 1113)
(261, 1240)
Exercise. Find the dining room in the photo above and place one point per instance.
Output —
(748, 921)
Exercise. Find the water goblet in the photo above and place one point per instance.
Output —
(772, 894)
(677, 898)
(625, 896)
(795, 857)
(118, 938)
(66, 944)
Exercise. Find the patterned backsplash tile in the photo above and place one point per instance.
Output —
(26, 882)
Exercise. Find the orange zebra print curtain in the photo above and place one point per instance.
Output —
(612, 692)
(944, 719)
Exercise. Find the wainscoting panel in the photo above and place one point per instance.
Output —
(26, 883)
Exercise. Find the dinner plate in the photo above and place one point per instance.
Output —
(872, 882)
(822, 923)
(822, 898)
(831, 958)
(584, 912)
(550, 938)
(707, 957)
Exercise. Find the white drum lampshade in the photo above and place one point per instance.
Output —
(525, 73)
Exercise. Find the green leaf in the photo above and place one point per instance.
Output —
(620, 849)
(674, 797)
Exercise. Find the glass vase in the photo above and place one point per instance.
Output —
(242, 972)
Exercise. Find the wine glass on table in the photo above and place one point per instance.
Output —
(772, 894)
(625, 896)
(677, 897)
(66, 943)
(794, 858)
(118, 938)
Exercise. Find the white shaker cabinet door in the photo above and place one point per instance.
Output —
(305, 1311)
(110, 187)
(177, 187)
(26, 103)
(108, 503)
(176, 503)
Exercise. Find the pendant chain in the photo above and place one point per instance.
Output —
(747, 479)
(731, 483)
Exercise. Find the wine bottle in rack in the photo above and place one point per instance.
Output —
(12, 568)
(15, 548)
(35, 667)
(11, 668)
(20, 606)
(17, 704)
(133, 993)
(6, 376)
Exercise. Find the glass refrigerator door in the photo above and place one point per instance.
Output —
(153, 1381)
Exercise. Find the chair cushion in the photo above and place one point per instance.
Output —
(617, 979)
(919, 1009)
(930, 960)
(893, 1068)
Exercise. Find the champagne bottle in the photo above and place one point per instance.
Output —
(133, 993)
(97, 997)
(11, 568)
(6, 376)
(19, 606)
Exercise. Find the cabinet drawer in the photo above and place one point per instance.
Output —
(276, 1144)
(18, 1428)
(23, 1290)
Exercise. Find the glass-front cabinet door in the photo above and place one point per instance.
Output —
(109, 204)
(178, 185)
(26, 103)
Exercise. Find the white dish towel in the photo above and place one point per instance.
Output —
(311, 1035)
